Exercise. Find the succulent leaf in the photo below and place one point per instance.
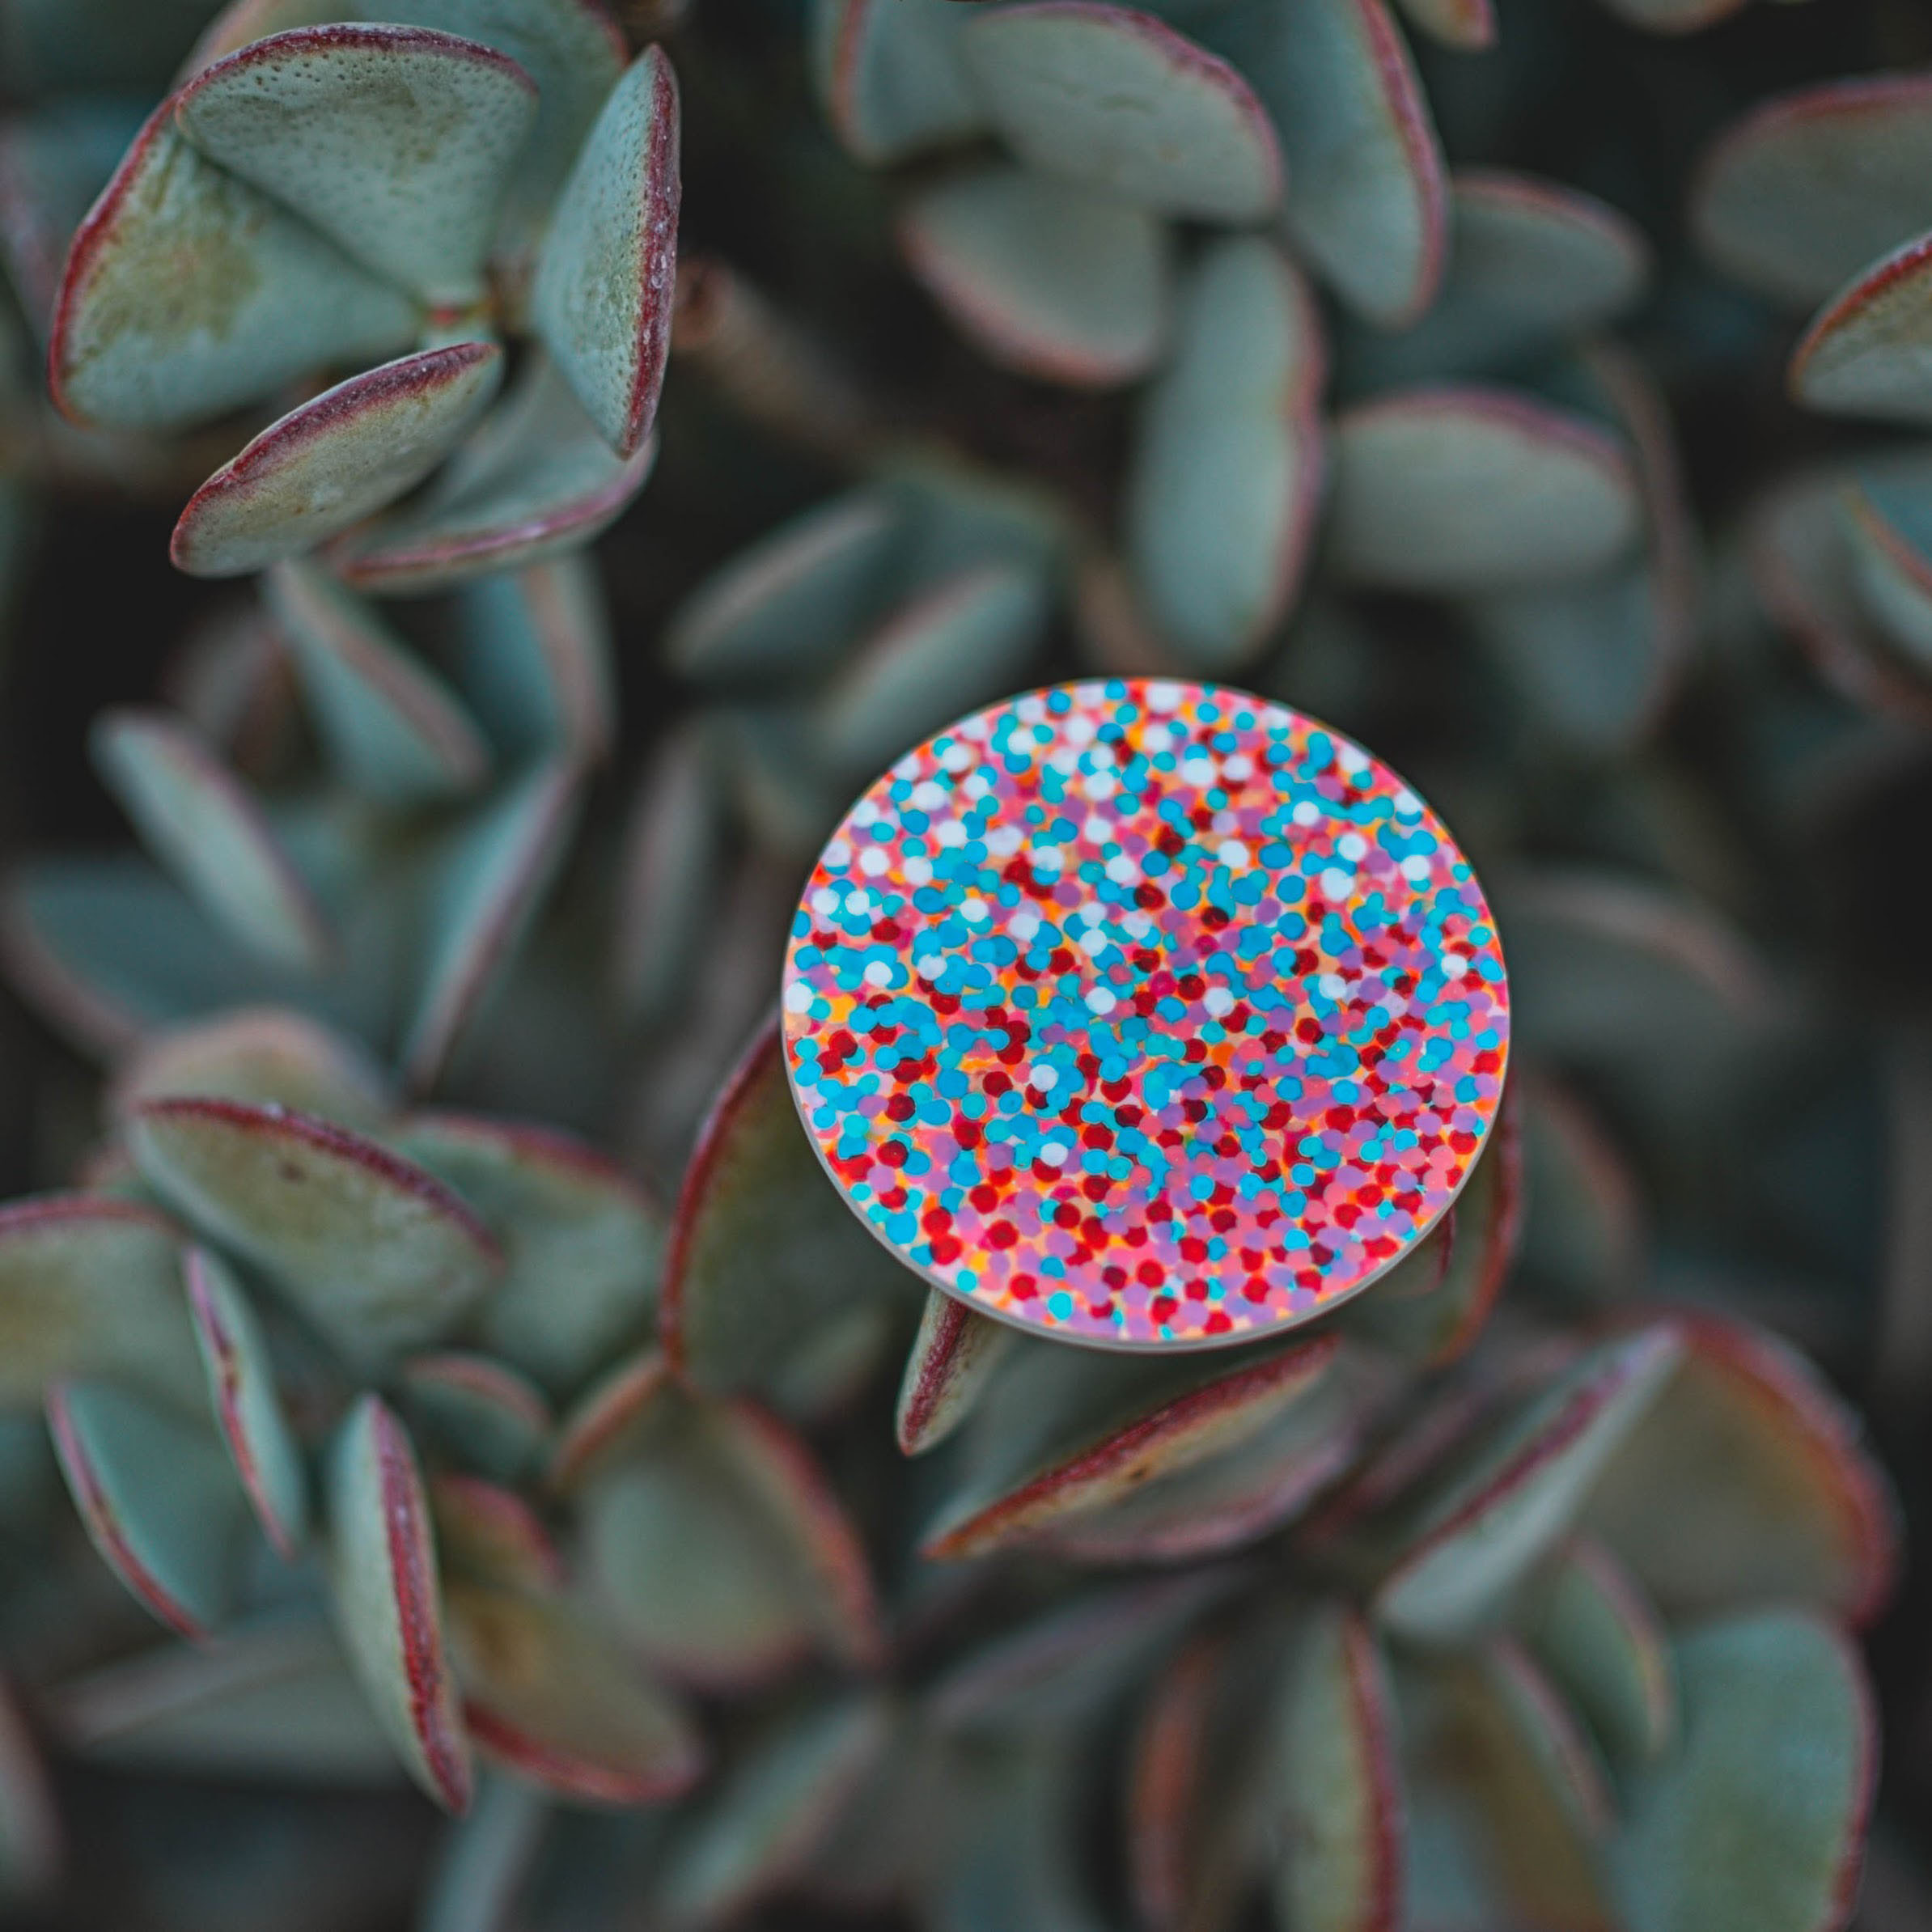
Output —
(1863, 353)
(492, 1419)
(953, 1356)
(486, 1858)
(890, 75)
(490, 1534)
(1466, 24)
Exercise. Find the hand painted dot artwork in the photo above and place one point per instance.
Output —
(1145, 1014)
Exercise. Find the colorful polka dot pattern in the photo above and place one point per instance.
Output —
(1145, 1014)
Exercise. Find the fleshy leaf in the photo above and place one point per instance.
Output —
(1866, 352)
(1758, 1824)
(602, 300)
(395, 143)
(394, 732)
(207, 829)
(550, 1697)
(766, 1264)
(1795, 198)
(379, 1255)
(536, 479)
(1467, 24)
(761, 1825)
(491, 1535)
(333, 461)
(388, 1609)
(1337, 1782)
(1227, 473)
(1591, 1627)
(1367, 192)
(1068, 1431)
(188, 293)
(1461, 488)
(156, 1496)
(791, 603)
(959, 642)
(1054, 281)
(1117, 101)
(1494, 1516)
(890, 77)
(583, 1243)
(485, 1860)
(1886, 528)
(246, 1403)
(953, 1354)
(260, 1055)
(1750, 1482)
(490, 1417)
(271, 1699)
(489, 883)
(92, 1286)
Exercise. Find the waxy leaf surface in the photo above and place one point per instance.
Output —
(953, 1356)
(890, 75)
(1869, 352)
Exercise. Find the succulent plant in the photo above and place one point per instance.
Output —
(458, 1334)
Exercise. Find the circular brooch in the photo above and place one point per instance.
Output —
(1145, 1014)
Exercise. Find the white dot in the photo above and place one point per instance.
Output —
(1336, 883)
(1198, 771)
(931, 967)
(798, 998)
(872, 861)
(1352, 846)
(1078, 729)
(824, 902)
(1240, 767)
(1091, 914)
(1415, 868)
(838, 853)
(1097, 831)
(928, 796)
(979, 785)
(865, 813)
(1350, 760)
(879, 974)
(950, 832)
(1049, 858)
(1002, 841)
(1234, 855)
(1123, 870)
(1046, 1078)
(1454, 965)
(1307, 812)
(1031, 710)
(1158, 739)
(1054, 1153)
(1093, 941)
(858, 901)
(976, 911)
(1333, 986)
(1137, 924)
(1218, 1000)
(1407, 805)
(1024, 926)
(1164, 697)
(918, 871)
(1100, 1000)
(1099, 785)
(956, 758)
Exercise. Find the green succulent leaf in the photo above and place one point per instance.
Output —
(54, 161)
(1065, 1431)
(487, 882)
(1337, 1781)
(486, 1858)
(1796, 197)
(1050, 279)
(388, 1606)
(534, 481)
(1590, 1625)
(1368, 188)
(491, 1418)
(583, 1243)
(1759, 1820)
(1886, 525)
(768, 1273)
(334, 460)
(1461, 488)
(1750, 1482)
(273, 1698)
(602, 298)
(91, 1286)
(489, 1534)
(1464, 24)
(1493, 1517)
(1228, 471)
(157, 1496)
(548, 1695)
(1864, 354)
(246, 1401)
(890, 76)
(377, 1252)
(953, 1358)
(203, 824)
(395, 731)
(188, 293)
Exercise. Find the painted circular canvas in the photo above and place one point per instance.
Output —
(1145, 1014)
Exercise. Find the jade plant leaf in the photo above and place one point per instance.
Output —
(534, 480)
(1468, 24)
(549, 1696)
(487, 884)
(204, 824)
(602, 298)
(953, 1356)
(1367, 189)
(1228, 470)
(493, 1535)
(485, 1860)
(1886, 525)
(247, 1403)
(1117, 100)
(187, 293)
(1337, 1781)
(388, 1606)
(1796, 197)
(1759, 1820)
(766, 1262)
(890, 77)
(1053, 280)
(378, 1253)
(583, 1242)
(1590, 1625)
(54, 161)
(394, 732)
(786, 606)
(1461, 488)
(156, 1496)
(91, 1286)
(396, 142)
(1773, 1496)
(1494, 1516)
(336, 459)
(1865, 354)
(478, 1409)
(1061, 1437)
